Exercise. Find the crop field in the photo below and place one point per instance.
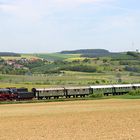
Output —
(69, 78)
(57, 56)
(113, 119)
(27, 56)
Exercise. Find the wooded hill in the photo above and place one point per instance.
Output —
(91, 53)
(9, 54)
(86, 51)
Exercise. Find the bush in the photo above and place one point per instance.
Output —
(97, 82)
(96, 95)
(134, 92)
(80, 67)
(132, 68)
(134, 54)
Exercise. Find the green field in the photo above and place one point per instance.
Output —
(56, 56)
(68, 78)
(28, 56)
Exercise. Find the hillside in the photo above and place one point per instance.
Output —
(9, 54)
(86, 51)
(91, 53)
(59, 63)
(94, 53)
(56, 56)
(56, 69)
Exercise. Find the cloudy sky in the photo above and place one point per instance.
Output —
(55, 25)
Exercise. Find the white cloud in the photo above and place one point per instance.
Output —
(122, 21)
(117, 23)
(64, 2)
(24, 10)
(7, 8)
(34, 10)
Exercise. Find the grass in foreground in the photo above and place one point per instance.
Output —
(71, 99)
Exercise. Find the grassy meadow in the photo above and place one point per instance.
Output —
(28, 56)
(57, 56)
(68, 78)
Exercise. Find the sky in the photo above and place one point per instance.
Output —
(41, 26)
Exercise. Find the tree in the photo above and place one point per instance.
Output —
(118, 76)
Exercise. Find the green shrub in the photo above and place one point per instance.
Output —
(80, 67)
(134, 92)
(97, 82)
(96, 95)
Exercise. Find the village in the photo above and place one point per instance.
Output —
(18, 66)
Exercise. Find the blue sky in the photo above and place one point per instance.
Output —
(32, 26)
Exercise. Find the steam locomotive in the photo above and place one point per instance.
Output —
(64, 92)
(13, 93)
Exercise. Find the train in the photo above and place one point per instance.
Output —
(13, 93)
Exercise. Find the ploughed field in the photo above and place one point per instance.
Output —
(73, 120)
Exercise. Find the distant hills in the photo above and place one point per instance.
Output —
(85, 60)
(86, 51)
(91, 53)
(9, 54)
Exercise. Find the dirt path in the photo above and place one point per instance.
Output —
(77, 120)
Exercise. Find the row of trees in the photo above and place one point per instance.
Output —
(14, 71)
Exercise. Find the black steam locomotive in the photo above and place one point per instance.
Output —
(12, 93)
